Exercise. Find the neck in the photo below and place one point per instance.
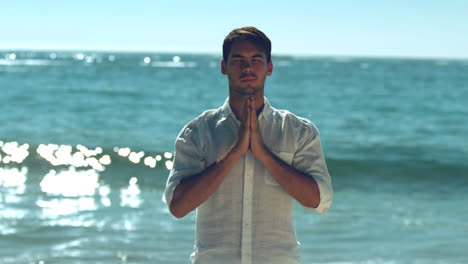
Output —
(237, 103)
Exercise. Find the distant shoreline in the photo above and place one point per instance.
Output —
(207, 53)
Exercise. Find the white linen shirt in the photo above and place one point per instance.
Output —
(249, 218)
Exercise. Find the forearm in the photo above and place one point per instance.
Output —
(300, 186)
(194, 190)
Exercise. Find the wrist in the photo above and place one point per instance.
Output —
(264, 155)
(236, 152)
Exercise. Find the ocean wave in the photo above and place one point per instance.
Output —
(398, 175)
(66, 164)
(28, 62)
(117, 167)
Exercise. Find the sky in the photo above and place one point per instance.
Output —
(397, 28)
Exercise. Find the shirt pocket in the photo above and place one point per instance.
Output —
(287, 157)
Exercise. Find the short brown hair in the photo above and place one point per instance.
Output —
(251, 34)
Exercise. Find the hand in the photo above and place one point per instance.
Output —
(243, 140)
(257, 147)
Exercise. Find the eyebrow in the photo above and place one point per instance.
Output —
(257, 55)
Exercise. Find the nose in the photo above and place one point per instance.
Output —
(246, 66)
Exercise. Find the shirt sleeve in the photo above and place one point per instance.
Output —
(310, 160)
(188, 160)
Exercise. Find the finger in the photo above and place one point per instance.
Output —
(253, 114)
(251, 103)
(247, 112)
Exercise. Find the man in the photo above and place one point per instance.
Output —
(243, 165)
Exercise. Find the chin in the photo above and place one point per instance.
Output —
(248, 91)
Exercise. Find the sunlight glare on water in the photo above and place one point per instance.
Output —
(70, 183)
(130, 196)
(14, 179)
(66, 206)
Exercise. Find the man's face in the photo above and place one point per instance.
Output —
(246, 68)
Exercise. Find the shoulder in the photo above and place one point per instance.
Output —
(293, 121)
(201, 122)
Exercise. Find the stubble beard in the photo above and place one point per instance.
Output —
(247, 91)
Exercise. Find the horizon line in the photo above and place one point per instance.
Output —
(213, 53)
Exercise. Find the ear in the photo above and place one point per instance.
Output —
(270, 68)
(223, 67)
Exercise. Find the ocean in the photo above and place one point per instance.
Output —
(86, 144)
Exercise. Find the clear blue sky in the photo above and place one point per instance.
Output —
(412, 28)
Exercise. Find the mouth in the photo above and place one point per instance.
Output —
(248, 78)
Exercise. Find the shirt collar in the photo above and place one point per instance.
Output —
(226, 109)
(267, 111)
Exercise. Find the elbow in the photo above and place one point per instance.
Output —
(311, 200)
(176, 210)
(178, 214)
(323, 205)
(175, 207)
(311, 203)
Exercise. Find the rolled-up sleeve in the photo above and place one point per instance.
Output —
(188, 160)
(310, 160)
